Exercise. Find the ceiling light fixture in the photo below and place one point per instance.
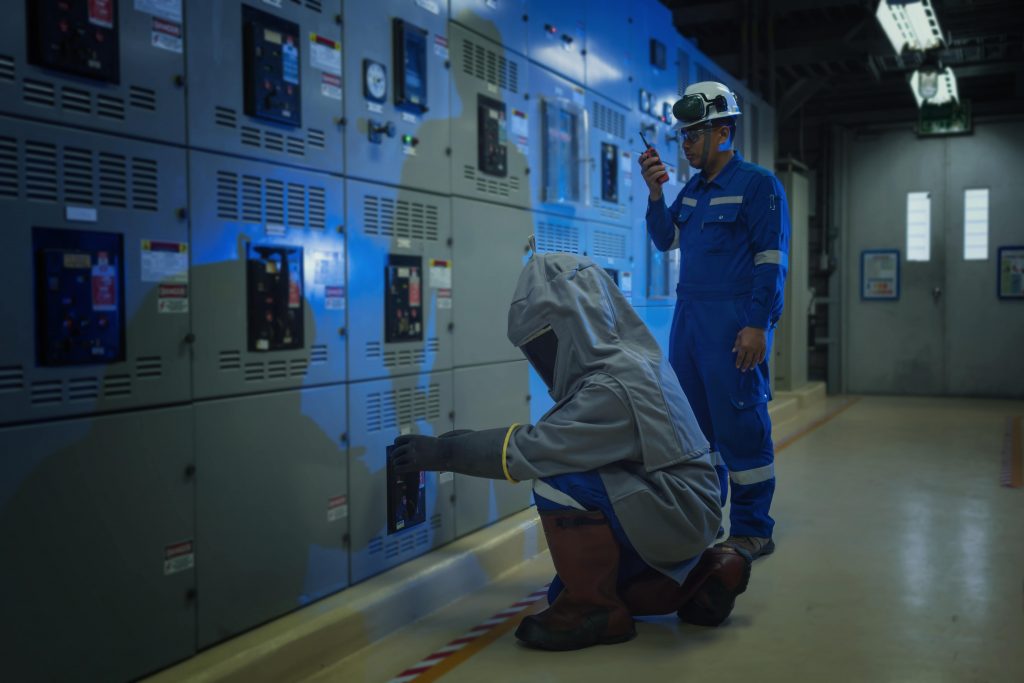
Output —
(911, 24)
(934, 86)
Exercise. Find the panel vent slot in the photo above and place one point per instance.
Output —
(435, 521)
(277, 369)
(142, 98)
(273, 141)
(254, 372)
(77, 176)
(317, 208)
(38, 92)
(491, 186)
(83, 389)
(296, 205)
(390, 409)
(145, 195)
(318, 355)
(227, 195)
(398, 359)
(298, 367)
(315, 5)
(110, 107)
(47, 392)
(149, 367)
(252, 208)
(489, 66)
(230, 360)
(391, 550)
(117, 385)
(609, 120)
(12, 378)
(113, 180)
(274, 200)
(608, 244)
(552, 237)
(389, 218)
(8, 167)
(73, 99)
(375, 545)
(41, 171)
(316, 138)
(223, 116)
(6, 68)
(296, 146)
(251, 137)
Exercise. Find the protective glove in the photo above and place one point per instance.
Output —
(477, 454)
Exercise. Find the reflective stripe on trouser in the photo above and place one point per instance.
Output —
(586, 491)
(730, 406)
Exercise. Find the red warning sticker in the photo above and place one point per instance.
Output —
(104, 285)
(172, 299)
(166, 35)
(337, 508)
(179, 557)
(101, 13)
(330, 86)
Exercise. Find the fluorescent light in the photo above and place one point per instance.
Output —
(912, 24)
(976, 225)
(934, 87)
(919, 226)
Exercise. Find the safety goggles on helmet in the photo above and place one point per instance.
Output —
(541, 350)
(696, 106)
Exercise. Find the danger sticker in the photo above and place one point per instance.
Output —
(519, 127)
(337, 508)
(104, 284)
(101, 13)
(172, 299)
(166, 35)
(325, 54)
(179, 557)
(330, 86)
(441, 46)
(334, 298)
(441, 275)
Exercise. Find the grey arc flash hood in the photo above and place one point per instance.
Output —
(598, 331)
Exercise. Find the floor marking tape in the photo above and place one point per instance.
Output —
(1012, 475)
(466, 645)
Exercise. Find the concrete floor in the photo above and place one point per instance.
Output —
(900, 558)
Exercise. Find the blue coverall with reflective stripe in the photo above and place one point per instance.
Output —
(733, 234)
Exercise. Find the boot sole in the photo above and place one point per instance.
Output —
(533, 636)
(720, 595)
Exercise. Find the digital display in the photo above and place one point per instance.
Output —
(410, 52)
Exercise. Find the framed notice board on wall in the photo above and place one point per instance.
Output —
(1011, 272)
(880, 274)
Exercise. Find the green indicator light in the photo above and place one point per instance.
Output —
(407, 139)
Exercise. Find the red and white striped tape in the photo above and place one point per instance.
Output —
(475, 633)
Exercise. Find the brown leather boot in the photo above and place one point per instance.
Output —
(588, 611)
(706, 597)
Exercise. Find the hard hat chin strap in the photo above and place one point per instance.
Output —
(706, 149)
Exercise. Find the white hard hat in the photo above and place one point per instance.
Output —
(703, 102)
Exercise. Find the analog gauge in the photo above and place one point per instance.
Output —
(645, 101)
(375, 81)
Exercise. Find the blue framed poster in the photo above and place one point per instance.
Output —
(1011, 272)
(880, 274)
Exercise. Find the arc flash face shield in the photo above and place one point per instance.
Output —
(696, 108)
(541, 349)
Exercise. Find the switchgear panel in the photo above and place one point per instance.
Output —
(493, 136)
(273, 88)
(80, 38)
(609, 173)
(560, 122)
(410, 48)
(275, 298)
(403, 299)
(407, 497)
(79, 297)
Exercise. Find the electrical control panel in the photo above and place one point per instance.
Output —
(394, 518)
(611, 248)
(400, 273)
(110, 65)
(275, 285)
(268, 276)
(266, 81)
(273, 85)
(79, 297)
(504, 22)
(97, 311)
(611, 162)
(397, 128)
(79, 38)
(492, 127)
(403, 299)
(557, 38)
(562, 126)
(609, 63)
(491, 141)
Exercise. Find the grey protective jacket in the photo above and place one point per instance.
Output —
(619, 410)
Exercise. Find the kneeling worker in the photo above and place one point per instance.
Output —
(627, 493)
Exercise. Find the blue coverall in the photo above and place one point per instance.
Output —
(733, 234)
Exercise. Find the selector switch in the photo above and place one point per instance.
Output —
(377, 129)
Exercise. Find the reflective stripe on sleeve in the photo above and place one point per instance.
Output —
(772, 256)
(737, 199)
(689, 201)
(754, 476)
(548, 492)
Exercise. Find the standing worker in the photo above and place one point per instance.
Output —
(731, 224)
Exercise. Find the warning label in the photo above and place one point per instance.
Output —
(164, 261)
(172, 299)
(179, 557)
(166, 35)
(337, 508)
(101, 13)
(334, 298)
(330, 86)
(325, 54)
